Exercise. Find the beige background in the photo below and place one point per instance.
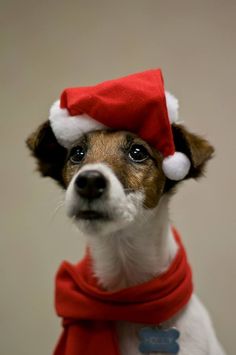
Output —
(48, 45)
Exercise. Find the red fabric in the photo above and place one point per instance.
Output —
(135, 103)
(89, 313)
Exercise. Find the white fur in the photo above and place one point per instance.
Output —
(176, 166)
(68, 129)
(134, 248)
(120, 258)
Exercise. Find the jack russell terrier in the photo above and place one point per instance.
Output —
(119, 153)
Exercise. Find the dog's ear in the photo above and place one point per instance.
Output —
(49, 153)
(197, 149)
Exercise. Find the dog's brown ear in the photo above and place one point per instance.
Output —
(197, 149)
(49, 153)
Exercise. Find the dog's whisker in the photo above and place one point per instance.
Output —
(58, 207)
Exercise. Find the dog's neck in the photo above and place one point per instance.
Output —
(136, 254)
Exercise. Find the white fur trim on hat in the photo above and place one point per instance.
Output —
(68, 129)
(176, 166)
(172, 104)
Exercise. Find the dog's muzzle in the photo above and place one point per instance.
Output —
(95, 198)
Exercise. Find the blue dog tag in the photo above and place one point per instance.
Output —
(159, 340)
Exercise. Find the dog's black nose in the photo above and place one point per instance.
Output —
(90, 184)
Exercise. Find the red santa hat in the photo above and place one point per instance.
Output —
(137, 103)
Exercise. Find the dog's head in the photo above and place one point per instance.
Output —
(112, 177)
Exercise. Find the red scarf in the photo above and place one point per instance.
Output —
(89, 313)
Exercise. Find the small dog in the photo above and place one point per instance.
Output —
(117, 195)
(122, 207)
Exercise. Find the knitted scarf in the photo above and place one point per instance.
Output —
(89, 313)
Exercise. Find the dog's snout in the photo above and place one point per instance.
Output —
(90, 184)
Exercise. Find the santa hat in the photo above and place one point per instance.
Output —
(135, 103)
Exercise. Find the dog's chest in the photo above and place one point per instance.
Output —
(197, 336)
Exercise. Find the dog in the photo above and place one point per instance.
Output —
(117, 195)
(119, 153)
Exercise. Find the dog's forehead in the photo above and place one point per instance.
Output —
(106, 138)
(108, 142)
(105, 146)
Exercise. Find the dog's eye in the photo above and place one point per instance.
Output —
(77, 154)
(138, 153)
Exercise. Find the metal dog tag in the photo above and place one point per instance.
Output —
(159, 340)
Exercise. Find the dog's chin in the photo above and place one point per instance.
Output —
(94, 223)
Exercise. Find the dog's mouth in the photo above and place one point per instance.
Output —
(92, 215)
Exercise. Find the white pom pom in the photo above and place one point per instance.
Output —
(176, 166)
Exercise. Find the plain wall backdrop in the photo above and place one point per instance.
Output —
(49, 45)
